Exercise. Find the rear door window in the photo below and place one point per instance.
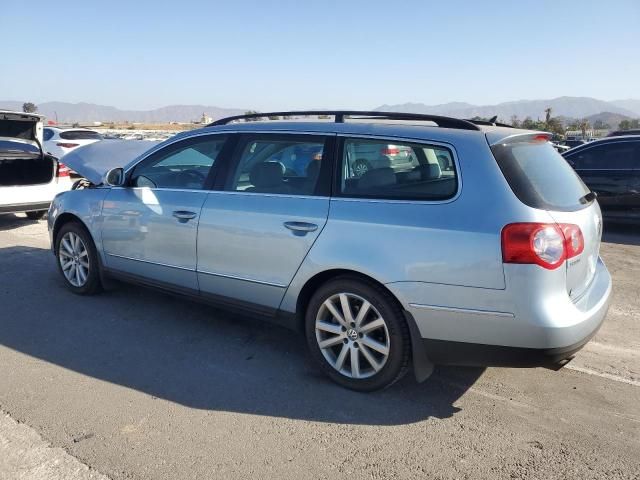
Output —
(539, 176)
(279, 164)
(609, 156)
(397, 170)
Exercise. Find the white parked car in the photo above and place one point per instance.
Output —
(29, 177)
(60, 141)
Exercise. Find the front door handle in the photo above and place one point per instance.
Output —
(301, 227)
(184, 215)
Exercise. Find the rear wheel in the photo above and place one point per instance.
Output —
(357, 334)
(36, 215)
(78, 259)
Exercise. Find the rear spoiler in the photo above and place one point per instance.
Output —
(526, 137)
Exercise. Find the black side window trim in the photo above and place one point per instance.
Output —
(180, 144)
(323, 185)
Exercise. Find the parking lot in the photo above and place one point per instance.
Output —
(138, 384)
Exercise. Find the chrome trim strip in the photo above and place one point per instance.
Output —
(152, 263)
(462, 310)
(244, 279)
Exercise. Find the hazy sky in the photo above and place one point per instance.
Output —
(273, 55)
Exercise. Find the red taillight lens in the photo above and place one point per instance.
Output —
(63, 170)
(544, 244)
(390, 150)
(67, 145)
(574, 241)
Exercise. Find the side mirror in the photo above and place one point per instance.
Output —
(114, 177)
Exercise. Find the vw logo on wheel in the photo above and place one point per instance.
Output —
(352, 334)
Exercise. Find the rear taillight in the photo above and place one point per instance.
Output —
(544, 244)
(67, 145)
(390, 150)
(574, 241)
(63, 170)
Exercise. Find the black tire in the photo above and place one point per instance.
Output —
(36, 215)
(93, 283)
(397, 332)
(360, 167)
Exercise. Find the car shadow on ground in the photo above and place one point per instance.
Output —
(11, 221)
(193, 354)
(621, 233)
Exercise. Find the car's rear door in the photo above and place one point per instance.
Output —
(605, 168)
(631, 199)
(150, 226)
(257, 228)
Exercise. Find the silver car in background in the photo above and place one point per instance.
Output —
(483, 250)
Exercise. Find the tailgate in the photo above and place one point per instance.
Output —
(581, 268)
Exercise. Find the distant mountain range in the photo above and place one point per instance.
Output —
(88, 112)
(572, 107)
(568, 107)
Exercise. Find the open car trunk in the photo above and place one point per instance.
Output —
(19, 170)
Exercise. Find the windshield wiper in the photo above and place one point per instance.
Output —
(588, 198)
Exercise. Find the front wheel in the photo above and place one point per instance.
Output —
(36, 215)
(357, 334)
(78, 259)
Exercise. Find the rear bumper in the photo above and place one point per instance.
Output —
(24, 207)
(443, 352)
(524, 331)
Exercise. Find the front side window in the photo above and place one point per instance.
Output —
(278, 164)
(612, 156)
(397, 170)
(184, 165)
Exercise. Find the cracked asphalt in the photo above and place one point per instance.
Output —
(135, 384)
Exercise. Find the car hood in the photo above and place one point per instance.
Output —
(95, 160)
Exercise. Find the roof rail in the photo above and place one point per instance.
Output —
(341, 115)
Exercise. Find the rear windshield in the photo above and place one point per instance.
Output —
(80, 135)
(539, 176)
(9, 146)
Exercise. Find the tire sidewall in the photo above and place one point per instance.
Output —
(384, 303)
(93, 281)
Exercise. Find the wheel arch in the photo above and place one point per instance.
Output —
(62, 220)
(422, 366)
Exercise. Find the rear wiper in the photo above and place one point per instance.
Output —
(588, 198)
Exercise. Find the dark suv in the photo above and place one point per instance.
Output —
(611, 168)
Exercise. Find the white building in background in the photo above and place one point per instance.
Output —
(205, 119)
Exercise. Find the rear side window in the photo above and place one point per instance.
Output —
(539, 176)
(280, 164)
(80, 135)
(611, 156)
(397, 170)
(47, 133)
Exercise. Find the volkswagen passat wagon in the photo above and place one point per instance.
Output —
(492, 260)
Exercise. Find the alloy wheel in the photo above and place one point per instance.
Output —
(352, 335)
(74, 259)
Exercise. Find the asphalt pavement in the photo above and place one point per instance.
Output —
(136, 384)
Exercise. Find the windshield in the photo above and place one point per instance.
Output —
(539, 176)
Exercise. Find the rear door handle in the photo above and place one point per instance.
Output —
(302, 227)
(184, 215)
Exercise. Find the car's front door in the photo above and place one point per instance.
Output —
(605, 168)
(257, 230)
(150, 225)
